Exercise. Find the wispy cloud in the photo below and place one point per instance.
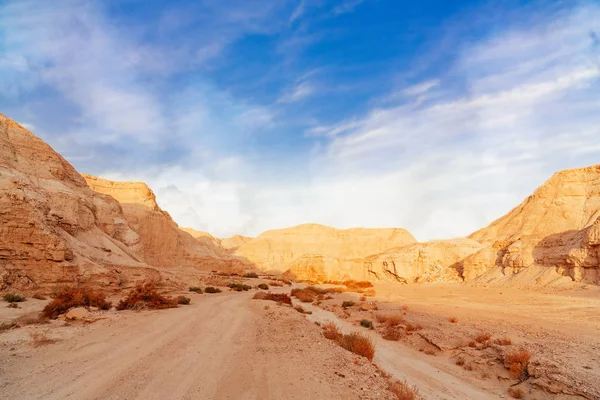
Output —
(347, 7)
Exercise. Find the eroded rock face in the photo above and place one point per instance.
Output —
(556, 227)
(161, 241)
(53, 228)
(276, 249)
(232, 243)
(434, 261)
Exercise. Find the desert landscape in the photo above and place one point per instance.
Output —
(106, 297)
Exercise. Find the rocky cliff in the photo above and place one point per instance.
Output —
(161, 242)
(556, 227)
(53, 227)
(277, 249)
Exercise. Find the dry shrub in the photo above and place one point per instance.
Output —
(381, 318)
(38, 296)
(503, 342)
(453, 320)
(300, 309)
(366, 323)
(484, 337)
(263, 286)
(69, 297)
(210, 289)
(354, 342)
(275, 283)
(460, 361)
(392, 333)
(276, 297)
(331, 331)
(517, 363)
(394, 320)
(14, 298)
(403, 391)
(145, 296)
(516, 393)
(358, 344)
(348, 303)
(40, 339)
(472, 343)
(405, 307)
(182, 300)
(304, 296)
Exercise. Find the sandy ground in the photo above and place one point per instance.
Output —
(560, 329)
(228, 346)
(223, 346)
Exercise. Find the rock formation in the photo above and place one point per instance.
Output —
(161, 241)
(234, 242)
(556, 227)
(276, 249)
(53, 228)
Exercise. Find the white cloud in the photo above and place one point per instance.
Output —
(421, 88)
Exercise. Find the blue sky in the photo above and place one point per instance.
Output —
(242, 116)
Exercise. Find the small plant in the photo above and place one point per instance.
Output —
(196, 289)
(394, 320)
(403, 391)
(210, 289)
(331, 331)
(263, 286)
(275, 283)
(250, 275)
(183, 300)
(460, 361)
(143, 296)
(13, 298)
(392, 333)
(453, 320)
(347, 304)
(516, 393)
(304, 295)
(482, 338)
(238, 287)
(358, 344)
(472, 343)
(38, 296)
(277, 297)
(366, 323)
(517, 363)
(69, 297)
(503, 342)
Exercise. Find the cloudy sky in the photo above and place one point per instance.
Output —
(437, 116)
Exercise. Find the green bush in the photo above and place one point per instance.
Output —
(263, 286)
(195, 289)
(347, 304)
(183, 300)
(238, 287)
(366, 323)
(210, 289)
(14, 298)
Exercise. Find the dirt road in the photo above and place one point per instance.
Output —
(224, 346)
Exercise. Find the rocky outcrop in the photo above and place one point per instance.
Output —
(161, 242)
(276, 249)
(556, 227)
(53, 228)
(434, 261)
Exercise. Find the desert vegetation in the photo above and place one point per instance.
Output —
(516, 393)
(366, 323)
(14, 298)
(250, 275)
(276, 297)
(263, 286)
(143, 296)
(354, 342)
(403, 391)
(517, 363)
(70, 296)
(239, 287)
(453, 320)
(211, 289)
(196, 289)
(183, 300)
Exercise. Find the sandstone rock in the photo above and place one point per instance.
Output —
(557, 227)
(275, 249)
(77, 313)
(161, 241)
(234, 242)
